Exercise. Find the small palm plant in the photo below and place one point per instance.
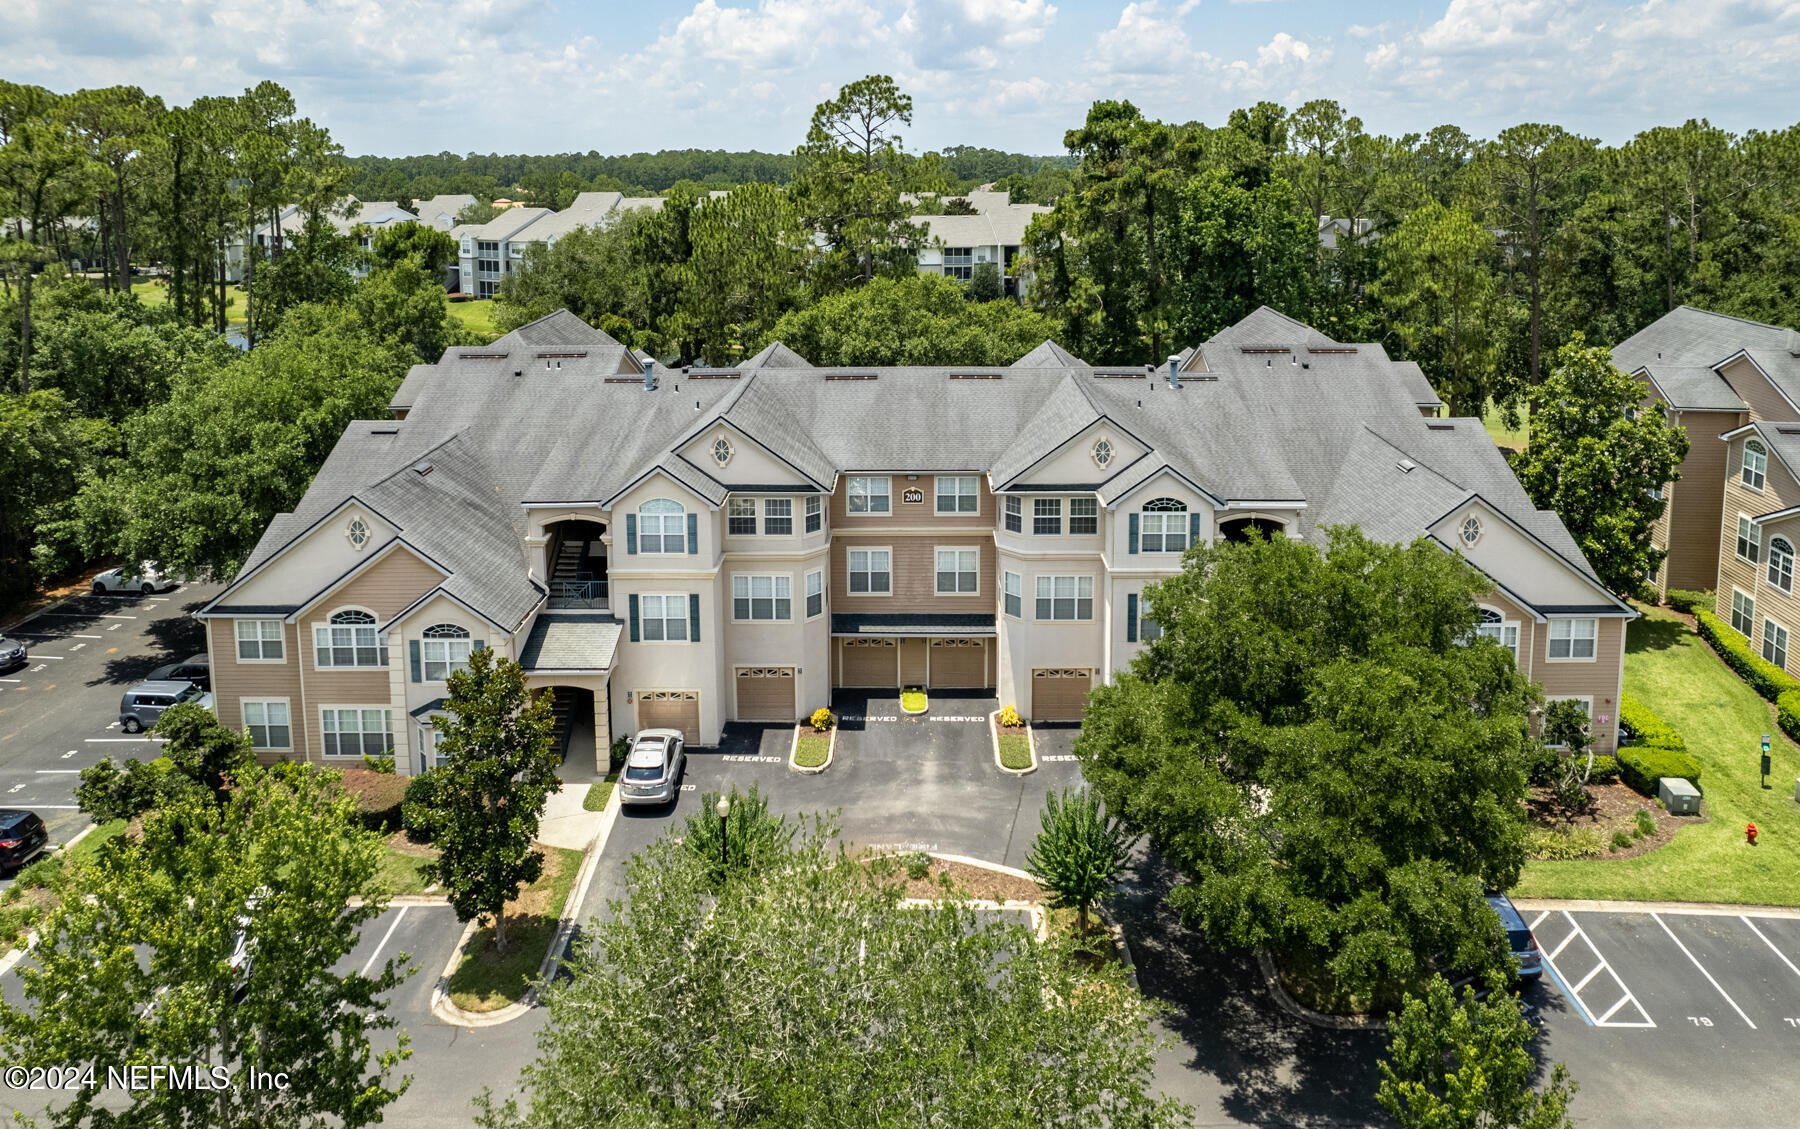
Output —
(1079, 852)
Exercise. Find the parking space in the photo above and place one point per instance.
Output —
(1055, 741)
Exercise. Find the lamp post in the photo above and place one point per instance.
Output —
(723, 809)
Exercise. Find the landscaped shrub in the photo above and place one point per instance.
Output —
(1787, 713)
(378, 797)
(1009, 718)
(1562, 846)
(1606, 770)
(1763, 676)
(1642, 766)
(1620, 840)
(821, 720)
(918, 865)
(617, 752)
(1646, 823)
(40, 874)
(1638, 726)
(421, 793)
(1684, 600)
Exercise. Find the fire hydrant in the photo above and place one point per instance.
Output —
(1750, 834)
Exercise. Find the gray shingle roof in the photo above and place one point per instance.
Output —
(1682, 347)
(564, 641)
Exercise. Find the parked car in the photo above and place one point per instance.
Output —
(197, 670)
(13, 653)
(22, 838)
(1518, 937)
(145, 702)
(147, 578)
(653, 767)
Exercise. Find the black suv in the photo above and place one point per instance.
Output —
(197, 670)
(22, 836)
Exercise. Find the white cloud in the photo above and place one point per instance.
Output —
(1144, 41)
(1382, 57)
(774, 34)
(1284, 48)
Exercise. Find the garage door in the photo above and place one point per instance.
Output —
(958, 664)
(670, 709)
(1059, 693)
(873, 663)
(765, 693)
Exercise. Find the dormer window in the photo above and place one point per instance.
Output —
(357, 532)
(1470, 532)
(1103, 454)
(721, 450)
(1755, 464)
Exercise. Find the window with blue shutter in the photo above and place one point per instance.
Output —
(1131, 617)
(1193, 530)
(1131, 536)
(693, 617)
(693, 533)
(412, 646)
(631, 534)
(631, 602)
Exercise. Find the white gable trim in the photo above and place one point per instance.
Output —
(1212, 499)
(1058, 448)
(345, 577)
(1535, 540)
(722, 420)
(1744, 354)
(438, 591)
(608, 503)
(243, 578)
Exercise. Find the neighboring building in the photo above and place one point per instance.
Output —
(441, 210)
(1713, 374)
(686, 547)
(351, 218)
(993, 234)
(487, 252)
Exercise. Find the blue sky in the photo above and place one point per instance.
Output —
(412, 76)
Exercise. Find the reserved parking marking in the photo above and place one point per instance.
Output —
(741, 758)
(1059, 757)
(953, 717)
(1709, 976)
(865, 717)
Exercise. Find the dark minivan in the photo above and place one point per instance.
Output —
(22, 836)
(1518, 937)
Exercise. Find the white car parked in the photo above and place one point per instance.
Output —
(653, 768)
(147, 579)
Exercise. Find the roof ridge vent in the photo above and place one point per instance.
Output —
(852, 376)
(976, 376)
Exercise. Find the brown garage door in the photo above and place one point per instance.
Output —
(959, 664)
(873, 663)
(1059, 693)
(765, 693)
(670, 709)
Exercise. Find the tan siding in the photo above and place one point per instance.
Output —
(385, 587)
(234, 680)
(924, 513)
(1690, 526)
(915, 575)
(1598, 679)
(1754, 389)
(1779, 492)
(369, 688)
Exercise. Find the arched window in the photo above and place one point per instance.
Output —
(1164, 526)
(1470, 531)
(348, 638)
(1494, 626)
(662, 527)
(1103, 453)
(446, 648)
(1781, 564)
(1756, 464)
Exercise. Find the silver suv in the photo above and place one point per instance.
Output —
(653, 768)
(145, 702)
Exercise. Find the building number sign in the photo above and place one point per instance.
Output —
(913, 496)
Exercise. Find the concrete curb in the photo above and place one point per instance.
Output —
(794, 750)
(440, 992)
(1697, 909)
(1300, 1011)
(1030, 743)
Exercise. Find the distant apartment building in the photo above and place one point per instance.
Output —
(993, 234)
(353, 217)
(489, 252)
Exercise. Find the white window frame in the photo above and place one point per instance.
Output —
(815, 592)
(780, 591)
(1774, 643)
(815, 513)
(957, 554)
(1749, 540)
(1046, 592)
(961, 501)
(740, 510)
(266, 724)
(666, 601)
(1045, 512)
(869, 571)
(1014, 514)
(1572, 638)
(1163, 534)
(333, 728)
(662, 517)
(357, 636)
(1743, 606)
(1500, 629)
(861, 489)
(1149, 631)
(446, 648)
(263, 641)
(1012, 602)
(777, 511)
(1753, 465)
(1781, 564)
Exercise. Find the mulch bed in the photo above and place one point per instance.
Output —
(1614, 808)
(969, 882)
(399, 843)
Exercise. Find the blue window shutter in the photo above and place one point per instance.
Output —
(693, 617)
(412, 646)
(693, 533)
(631, 534)
(1131, 617)
(1131, 535)
(480, 643)
(631, 602)
(1193, 529)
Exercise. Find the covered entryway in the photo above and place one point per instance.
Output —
(869, 663)
(1243, 528)
(959, 664)
(1060, 693)
(670, 709)
(765, 693)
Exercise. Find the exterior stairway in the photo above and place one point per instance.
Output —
(574, 583)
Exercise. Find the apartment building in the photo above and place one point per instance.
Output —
(491, 251)
(993, 234)
(685, 547)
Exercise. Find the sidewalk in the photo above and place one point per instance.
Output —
(565, 822)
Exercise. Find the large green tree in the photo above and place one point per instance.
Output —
(916, 320)
(1437, 287)
(1321, 746)
(1233, 249)
(45, 449)
(851, 172)
(140, 963)
(428, 248)
(806, 995)
(1601, 461)
(496, 770)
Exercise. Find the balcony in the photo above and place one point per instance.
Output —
(589, 593)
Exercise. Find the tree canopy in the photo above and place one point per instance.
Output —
(915, 320)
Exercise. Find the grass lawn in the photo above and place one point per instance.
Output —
(597, 794)
(29, 898)
(812, 749)
(476, 314)
(1675, 673)
(155, 292)
(402, 867)
(488, 981)
(1015, 750)
(1502, 435)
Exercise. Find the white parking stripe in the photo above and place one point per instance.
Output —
(1623, 1000)
(1538, 921)
(89, 615)
(370, 963)
(1709, 977)
(1771, 944)
(1606, 1018)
